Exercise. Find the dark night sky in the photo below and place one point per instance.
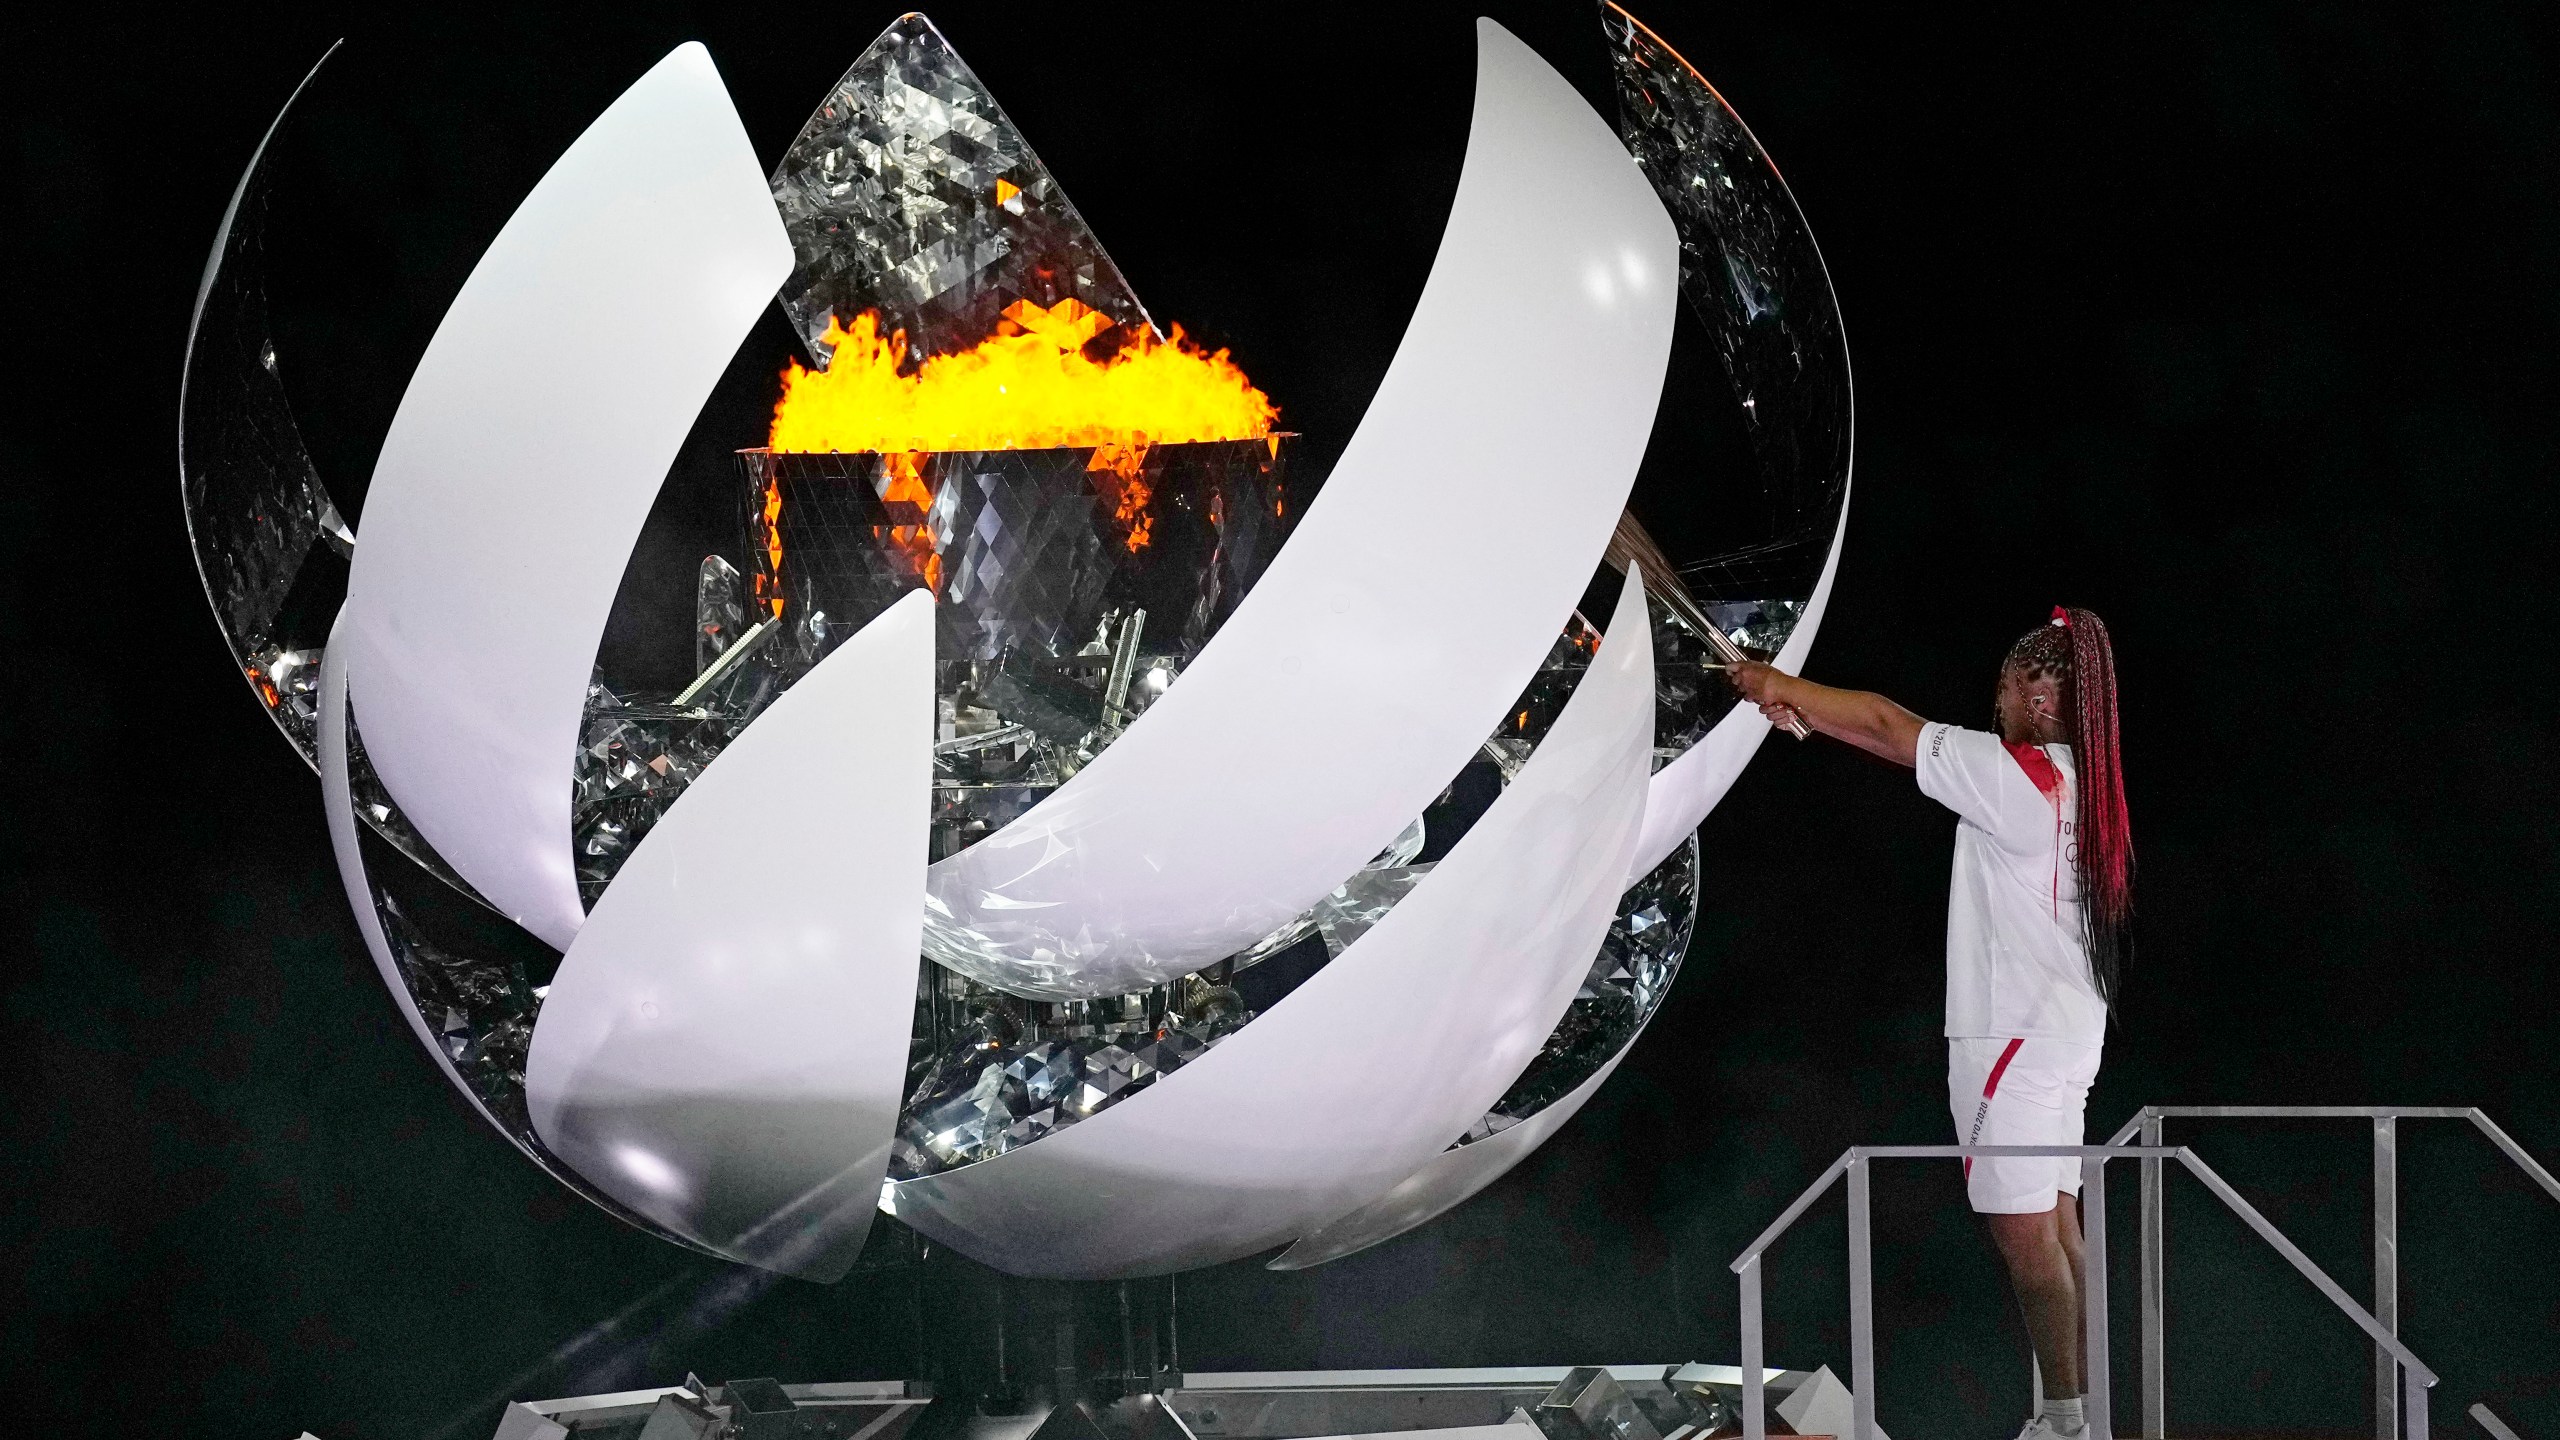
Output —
(2236, 326)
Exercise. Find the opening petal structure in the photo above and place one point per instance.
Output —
(513, 483)
(724, 1048)
(1372, 1065)
(1420, 591)
(721, 1058)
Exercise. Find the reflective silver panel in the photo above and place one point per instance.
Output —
(255, 507)
(910, 192)
(1750, 270)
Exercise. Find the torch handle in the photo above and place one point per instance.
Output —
(1630, 545)
(1731, 654)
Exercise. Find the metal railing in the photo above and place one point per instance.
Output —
(2093, 1222)
(2386, 1234)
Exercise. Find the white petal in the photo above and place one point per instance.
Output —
(724, 1048)
(523, 460)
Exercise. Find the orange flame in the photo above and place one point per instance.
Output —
(1030, 385)
(904, 477)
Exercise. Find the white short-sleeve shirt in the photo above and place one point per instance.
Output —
(2016, 962)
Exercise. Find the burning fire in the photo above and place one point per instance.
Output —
(1031, 385)
(1028, 386)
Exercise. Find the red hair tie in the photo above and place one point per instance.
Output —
(2061, 617)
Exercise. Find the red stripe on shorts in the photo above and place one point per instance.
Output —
(1999, 1068)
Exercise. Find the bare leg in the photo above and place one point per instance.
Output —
(2066, 1225)
(2042, 1252)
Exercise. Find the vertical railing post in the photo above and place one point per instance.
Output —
(2096, 1380)
(2386, 1273)
(2155, 1285)
(1755, 1422)
(1862, 1305)
(2417, 1391)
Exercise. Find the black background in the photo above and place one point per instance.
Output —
(2234, 325)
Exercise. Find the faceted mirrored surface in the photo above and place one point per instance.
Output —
(911, 192)
(1000, 1073)
(255, 506)
(1750, 270)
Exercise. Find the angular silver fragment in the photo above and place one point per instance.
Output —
(911, 192)
(719, 610)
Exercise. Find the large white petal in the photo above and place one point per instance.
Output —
(724, 1048)
(523, 460)
(1417, 596)
(1370, 1067)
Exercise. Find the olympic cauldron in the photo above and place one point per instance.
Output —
(1281, 873)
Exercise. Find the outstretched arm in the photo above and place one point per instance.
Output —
(1866, 720)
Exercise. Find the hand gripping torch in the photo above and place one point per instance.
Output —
(1630, 544)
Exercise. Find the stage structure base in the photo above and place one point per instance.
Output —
(1590, 1402)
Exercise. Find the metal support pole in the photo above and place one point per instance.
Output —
(2490, 1422)
(1004, 1373)
(1755, 1420)
(1128, 1346)
(2155, 1286)
(2096, 1380)
(2386, 1273)
(2514, 1151)
(1862, 1306)
(2417, 1394)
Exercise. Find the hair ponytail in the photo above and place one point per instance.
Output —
(2074, 649)
(2105, 863)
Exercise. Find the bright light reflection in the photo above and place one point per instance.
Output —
(649, 1169)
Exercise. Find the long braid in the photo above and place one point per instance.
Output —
(2076, 650)
(2105, 865)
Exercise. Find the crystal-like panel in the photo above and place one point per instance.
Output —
(997, 1073)
(1750, 270)
(255, 505)
(911, 193)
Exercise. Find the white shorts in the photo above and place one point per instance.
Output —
(2019, 1092)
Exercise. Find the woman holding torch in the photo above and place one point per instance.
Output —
(2037, 917)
